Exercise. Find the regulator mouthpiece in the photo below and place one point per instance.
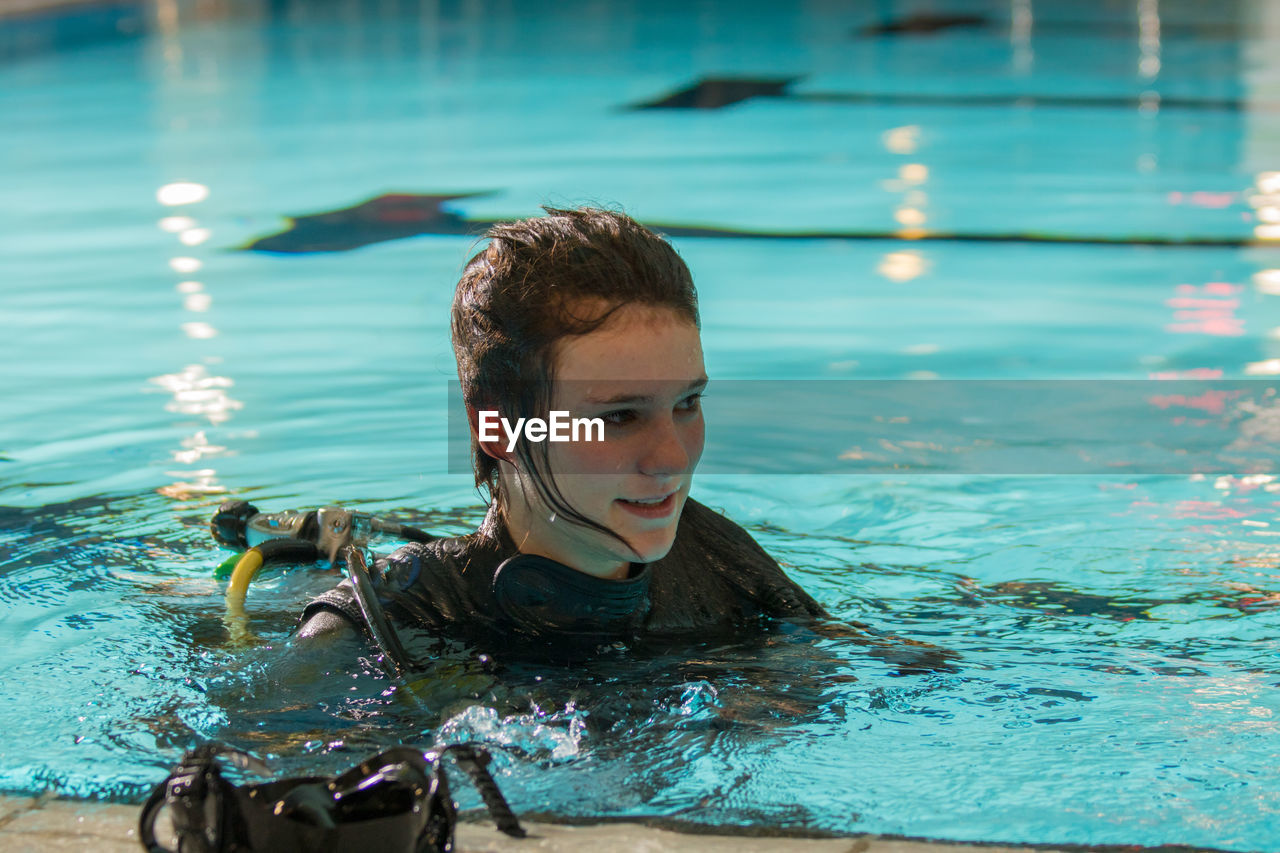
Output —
(229, 524)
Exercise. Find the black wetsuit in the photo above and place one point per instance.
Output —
(715, 581)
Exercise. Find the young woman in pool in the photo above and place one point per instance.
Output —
(588, 312)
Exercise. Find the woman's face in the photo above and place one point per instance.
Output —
(642, 373)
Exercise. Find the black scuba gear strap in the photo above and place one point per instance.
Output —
(395, 658)
(361, 607)
(395, 801)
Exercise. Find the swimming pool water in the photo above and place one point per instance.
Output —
(1118, 681)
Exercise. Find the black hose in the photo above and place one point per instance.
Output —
(288, 551)
(394, 656)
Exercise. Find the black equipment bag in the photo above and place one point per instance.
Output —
(396, 801)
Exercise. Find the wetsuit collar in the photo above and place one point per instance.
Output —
(542, 597)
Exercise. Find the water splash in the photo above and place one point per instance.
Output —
(554, 737)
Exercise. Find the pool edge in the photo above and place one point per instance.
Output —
(53, 825)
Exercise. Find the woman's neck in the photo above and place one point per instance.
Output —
(556, 539)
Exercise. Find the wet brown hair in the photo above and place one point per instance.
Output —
(539, 280)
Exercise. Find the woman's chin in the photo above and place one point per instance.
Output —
(652, 545)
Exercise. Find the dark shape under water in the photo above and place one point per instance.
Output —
(1148, 103)
(924, 23)
(927, 24)
(712, 93)
(392, 216)
(1055, 597)
(1052, 597)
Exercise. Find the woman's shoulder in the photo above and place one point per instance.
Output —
(446, 572)
(715, 532)
(428, 582)
(710, 545)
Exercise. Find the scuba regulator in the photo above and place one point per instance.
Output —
(240, 525)
(330, 533)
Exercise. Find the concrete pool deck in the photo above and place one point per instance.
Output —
(52, 825)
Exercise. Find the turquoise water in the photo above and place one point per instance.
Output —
(1119, 677)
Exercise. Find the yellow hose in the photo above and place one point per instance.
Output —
(242, 574)
(236, 620)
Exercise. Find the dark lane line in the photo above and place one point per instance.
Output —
(1140, 102)
(713, 93)
(397, 216)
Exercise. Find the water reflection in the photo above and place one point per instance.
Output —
(903, 266)
(909, 212)
(1021, 20)
(1264, 197)
(198, 330)
(1207, 309)
(1149, 38)
(172, 195)
(174, 224)
(196, 392)
(194, 236)
(195, 448)
(1267, 281)
(197, 302)
(902, 140)
(1267, 367)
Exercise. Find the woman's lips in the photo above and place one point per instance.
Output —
(661, 509)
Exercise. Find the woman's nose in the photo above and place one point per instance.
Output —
(666, 452)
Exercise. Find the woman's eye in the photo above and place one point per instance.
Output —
(621, 416)
(691, 403)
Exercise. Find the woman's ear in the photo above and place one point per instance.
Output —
(491, 436)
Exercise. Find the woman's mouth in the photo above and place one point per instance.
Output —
(659, 507)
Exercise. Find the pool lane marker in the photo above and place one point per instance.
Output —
(925, 23)
(929, 24)
(714, 93)
(391, 216)
(396, 216)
